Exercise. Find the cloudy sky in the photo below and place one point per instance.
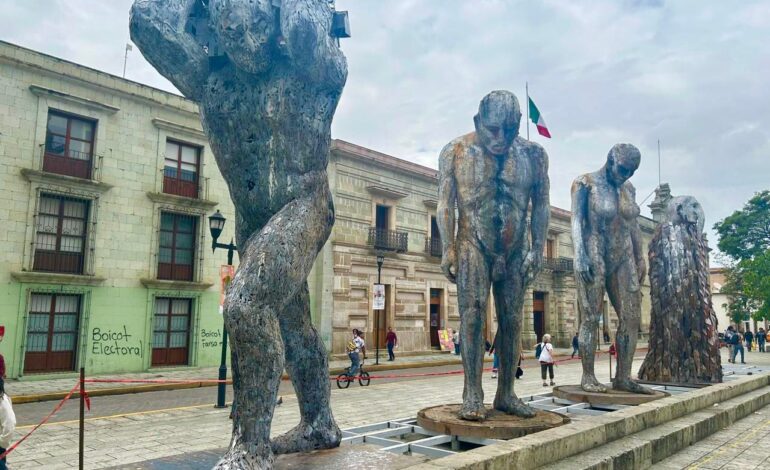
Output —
(694, 74)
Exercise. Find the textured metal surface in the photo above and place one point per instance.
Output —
(490, 177)
(608, 258)
(267, 80)
(684, 346)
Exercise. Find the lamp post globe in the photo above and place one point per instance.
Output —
(216, 224)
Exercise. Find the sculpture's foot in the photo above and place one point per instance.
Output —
(515, 407)
(629, 385)
(238, 459)
(474, 412)
(304, 438)
(590, 384)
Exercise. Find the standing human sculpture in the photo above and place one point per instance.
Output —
(267, 81)
(684, 345)
(608, 257)
(491, 176)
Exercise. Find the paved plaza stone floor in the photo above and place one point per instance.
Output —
(168, 437)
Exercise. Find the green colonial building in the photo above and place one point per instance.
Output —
(106, 186)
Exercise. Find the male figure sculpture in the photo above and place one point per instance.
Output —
(684, 346)
(267, 81)
(608, 255)
(491, 176)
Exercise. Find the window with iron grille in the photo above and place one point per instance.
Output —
(69, 145)
(60, 238)
(171, 331)
(177, 246)
(52, 333)
(181, 169)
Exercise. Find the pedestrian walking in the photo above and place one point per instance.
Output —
(729, 333)
(606, 336)
(546, 359)
(456, 341)
(495, 360)
(749, 337)
(392, 341)
(737, 347)
(761, 338)
(575, 346)
(7, 423)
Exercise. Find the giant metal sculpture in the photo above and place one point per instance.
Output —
(684, 347)
(491, 176)
(608, 256)
(267, 76)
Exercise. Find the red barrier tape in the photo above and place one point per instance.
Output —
(155, 381)
(45, 420)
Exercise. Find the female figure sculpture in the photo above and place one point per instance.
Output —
(267, 77)
(684, 347)
(608, 256)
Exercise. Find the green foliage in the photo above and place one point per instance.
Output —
(744, 237)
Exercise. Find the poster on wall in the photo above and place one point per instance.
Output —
(378, 303)
(226, 273)
(445, 340)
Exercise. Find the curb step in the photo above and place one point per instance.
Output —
(645, 448)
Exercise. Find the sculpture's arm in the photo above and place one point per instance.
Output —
(158, 28)
(445, 216)
(583, 264)
(636, 241)
(541, 211)
(306, 29)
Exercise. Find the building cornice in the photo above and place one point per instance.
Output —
(38, 90)
(178, 128)
(386, 192)
(363, 153)
(43, 177)
(181, 201)
(57, 278)
(174, 285)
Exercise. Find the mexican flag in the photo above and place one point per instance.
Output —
(537, 118)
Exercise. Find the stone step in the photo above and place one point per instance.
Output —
(644, 448)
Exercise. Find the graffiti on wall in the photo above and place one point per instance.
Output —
(115, 343)
(211, 338)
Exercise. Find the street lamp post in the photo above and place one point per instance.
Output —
(380, 260)
(216, 224)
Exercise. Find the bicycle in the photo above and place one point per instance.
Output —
(344, 379)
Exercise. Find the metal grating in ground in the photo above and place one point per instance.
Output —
(405, 436)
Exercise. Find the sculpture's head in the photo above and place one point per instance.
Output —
(497, 122)
(622, 162)
(686, 210)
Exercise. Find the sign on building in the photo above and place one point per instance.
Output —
(378, 303)
(226, 273)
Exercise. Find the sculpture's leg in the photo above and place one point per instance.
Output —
(626, 297)
(308, 367)
(472, 296)
(274, 265)
(509, 299)
(590, 303)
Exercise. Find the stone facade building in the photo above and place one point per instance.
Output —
(385, 205)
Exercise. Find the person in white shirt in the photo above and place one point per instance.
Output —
(7, 423)
(546, 359)
(356, 348)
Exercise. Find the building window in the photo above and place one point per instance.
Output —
(52, 333)
(181, 168)
(171, 333)
(177, 246)
(60, 237)
(69, 145)
(433, 242)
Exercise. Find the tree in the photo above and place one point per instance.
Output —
(744, 237)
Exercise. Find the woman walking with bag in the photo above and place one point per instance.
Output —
(546, 359)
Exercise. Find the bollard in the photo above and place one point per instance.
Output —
(81, 437)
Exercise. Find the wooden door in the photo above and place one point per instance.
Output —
(538, 314)
(435, 317)
(171, 335)
(52, 333)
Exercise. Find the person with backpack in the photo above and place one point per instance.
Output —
(356, 348)
(761, 338)
(544, 354)
(737, 342)
(749, 337)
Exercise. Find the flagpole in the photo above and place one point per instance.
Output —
(129, 47)
(658, 162)
(526, 87)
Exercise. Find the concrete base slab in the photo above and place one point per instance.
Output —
(612, 397)
(443, 419)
